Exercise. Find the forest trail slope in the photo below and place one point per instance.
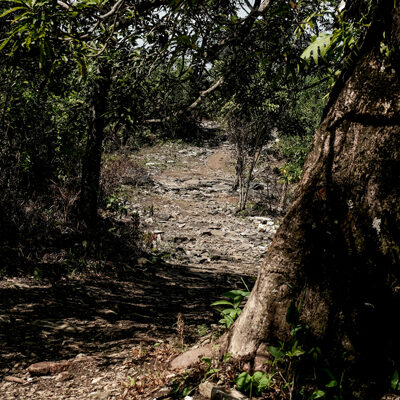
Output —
(116, 330)
(190, 211)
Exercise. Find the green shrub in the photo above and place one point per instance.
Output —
(295, 149)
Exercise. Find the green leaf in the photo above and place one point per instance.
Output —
(237, 301)
(207, 361)
(212, 371)
(258, 376)
(227, 321)
(319, 46)
(296, 353)
(276, 352)
(243, 381)
(42, 55)
(11, 10)
(236, 292)
(318, 394)
(262, 380)
(4, 43)
(295, 330)
(331, 384)
(21, 16)
(229, 311)
(222, 303)
(82, 66)
(395, 380)
(28, 42)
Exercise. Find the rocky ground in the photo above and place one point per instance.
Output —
(189, 211)
(119, 334)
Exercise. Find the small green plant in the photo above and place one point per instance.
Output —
(38, 273)
(234, 309)
(166, 256)
(210, 371)
(226, 357)
(295, 150)
(254, 384)
(302, 368)
(131, 381)
(117, 205)
(395, 382)
(202, 330)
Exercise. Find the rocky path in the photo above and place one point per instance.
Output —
(117, 334)
(191, 212)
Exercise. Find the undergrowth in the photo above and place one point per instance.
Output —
(41, 236)
(295, 369)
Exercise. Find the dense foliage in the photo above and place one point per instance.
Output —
(83, 78)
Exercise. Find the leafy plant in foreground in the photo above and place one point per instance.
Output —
(304, 370)
(234, 309)
(254, 384)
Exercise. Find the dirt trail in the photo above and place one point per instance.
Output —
(104, 323)
(193, 212)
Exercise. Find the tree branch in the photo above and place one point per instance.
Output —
(113, 10)
(205, 93)
(263, 6)
(63, 5)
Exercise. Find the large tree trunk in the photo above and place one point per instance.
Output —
(93, 152)
(338, 247)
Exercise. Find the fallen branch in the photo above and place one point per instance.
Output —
(14, 379)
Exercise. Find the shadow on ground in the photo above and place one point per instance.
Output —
(42, 321)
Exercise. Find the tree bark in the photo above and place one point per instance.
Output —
(92, 158)
(338, 247)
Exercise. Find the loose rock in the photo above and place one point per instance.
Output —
(48, 367)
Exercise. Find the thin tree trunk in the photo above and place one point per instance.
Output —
(283, 200)
(92, 158)
(338, 246)
(237, 173)
(244, 180)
